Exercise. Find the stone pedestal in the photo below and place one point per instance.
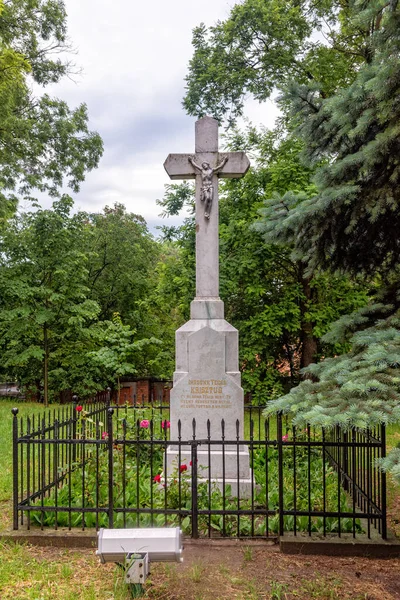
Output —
(207, 387)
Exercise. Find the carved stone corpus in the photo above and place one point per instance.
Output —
(206, 165)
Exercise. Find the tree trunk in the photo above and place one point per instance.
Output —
(308, 340)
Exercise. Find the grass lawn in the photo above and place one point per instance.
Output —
(246, 572)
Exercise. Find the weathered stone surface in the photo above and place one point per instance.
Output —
(178, 166)
(207, 378)
(207, 309)
(203, 386)
(206, 135)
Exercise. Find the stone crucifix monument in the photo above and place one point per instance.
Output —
(206, 381)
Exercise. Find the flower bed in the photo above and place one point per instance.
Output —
(143, 495)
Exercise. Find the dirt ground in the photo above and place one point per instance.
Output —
(256, 573)
(222, 572)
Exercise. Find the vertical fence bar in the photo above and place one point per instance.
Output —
(223, 478)
(124, 424)
(42, 468)
(355, 463)
(151, 470)
(339, 478)
(195, 514)
(108, 397)
(137, 472)
(383, 484)
(309, 476)
(266, 440)
(34, 468)
(280, 471)
(15, 467)
(55, 470)
(209, 474)
(70, 469)
(345, 451)
(324, 479)
(238, 477)
(98, 438)
(83, 459)
(74, 421)
(294, 481)
(21, 467)
(110, 413)
(369, 506)
(28, 469)
(252, 475)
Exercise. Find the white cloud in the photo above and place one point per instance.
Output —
(134, 58)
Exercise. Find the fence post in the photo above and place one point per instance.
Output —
(195, 525)
(110, 413)
(108, 397)
(383, 485)
(15, 468)
(345, 459)
(280, 471)
(74, 421)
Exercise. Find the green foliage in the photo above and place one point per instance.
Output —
(351, 224)
(118, 353)
(43, 143)
(264, 44)
(356, 133)
(44, 312)
(123, 257)
(392, 463)
(55, 269)
(360, 388)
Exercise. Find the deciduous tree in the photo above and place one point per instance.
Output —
(44, 144)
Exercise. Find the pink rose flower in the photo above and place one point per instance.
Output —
(145, 424)
(285, 438)
(166, 424)
(104, 435)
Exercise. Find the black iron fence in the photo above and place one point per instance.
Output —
(100, 465)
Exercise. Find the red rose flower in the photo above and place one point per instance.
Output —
(79, 408)
(157, 479)
(183, 468)
(190, 464)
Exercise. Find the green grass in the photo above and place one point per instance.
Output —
(28, 573)
(6, 419)
(31, 573)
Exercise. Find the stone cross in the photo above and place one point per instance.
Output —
(207, 376)
(206, 165)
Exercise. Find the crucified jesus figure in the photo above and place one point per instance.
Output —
(207, 173)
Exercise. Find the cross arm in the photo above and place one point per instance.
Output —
(178, 166)
(236, 166)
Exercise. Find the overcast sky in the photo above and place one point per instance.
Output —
(134, 57)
